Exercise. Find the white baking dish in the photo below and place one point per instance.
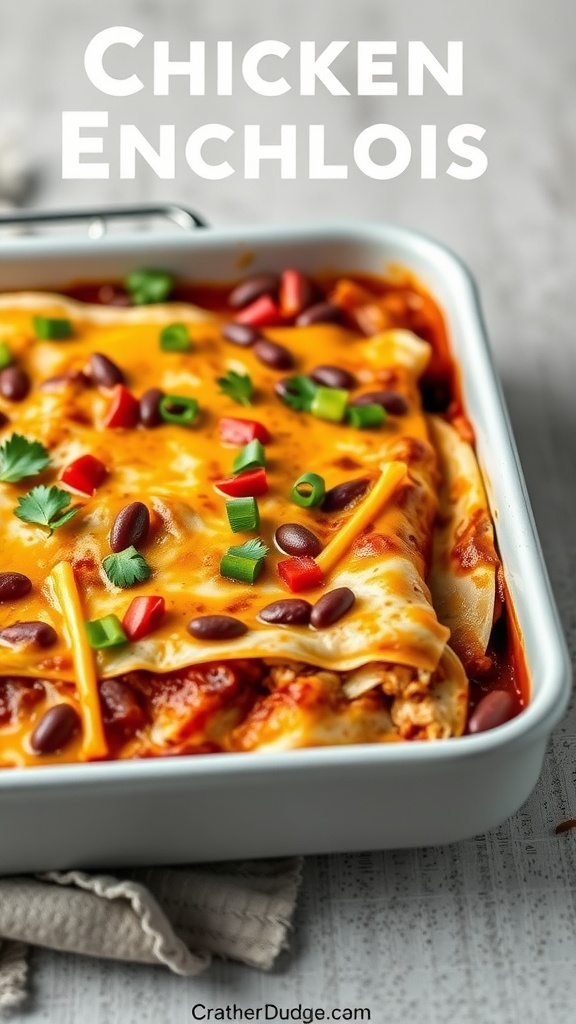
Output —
(321, 800)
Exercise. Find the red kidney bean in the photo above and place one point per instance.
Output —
(63, 380)
(291, 611)
(14, 383)
(333, 377)
(55, 729)
(14, 585)
(565, 826)
(130, 526)
(331, 607)
(271, 354)
(150, 407)
(216, 627)
(294, 539)
(104, 372)
(252, 288)
(392, 401)
(494, 709)
(28, 634)
(120, 706)
(341, 495)
(320, 313)
(241, 334)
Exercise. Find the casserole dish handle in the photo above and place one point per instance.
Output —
(98, 218)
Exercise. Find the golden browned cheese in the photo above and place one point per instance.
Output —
(173, 469)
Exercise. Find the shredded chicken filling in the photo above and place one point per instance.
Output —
(253, 705)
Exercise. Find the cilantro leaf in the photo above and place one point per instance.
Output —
(253, 549)
(55, 523)
(237, 386)
(42, 507)
(149, 286)
(126, 568)
(20, 458)
(299, 393)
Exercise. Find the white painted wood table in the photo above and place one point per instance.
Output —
(483, 931)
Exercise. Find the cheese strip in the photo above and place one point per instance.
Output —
(94, 742)
(391, 475)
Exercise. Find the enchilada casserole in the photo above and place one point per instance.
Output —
(241, 519)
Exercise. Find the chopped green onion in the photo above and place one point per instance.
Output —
(242, 570)
(5, 356)
(178, 409)
(363, 416)
(329, 404)
(253, 549)
(243, 514)
(251, 456)
(244, 562)
(106, 632)
(309, 490)
(52, 328)
(149, 286)
(175, 338)
(298, 393)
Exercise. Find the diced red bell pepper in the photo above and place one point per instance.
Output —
(84, 474)
(234, 430)
(263, 312)
(124, 409)
(245, 485)
(144, 615)
(300, 574)
(296, 293)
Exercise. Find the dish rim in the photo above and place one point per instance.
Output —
(546, 706)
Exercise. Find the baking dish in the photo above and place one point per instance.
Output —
(328, 799)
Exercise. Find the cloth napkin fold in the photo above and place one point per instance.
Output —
(178, 916)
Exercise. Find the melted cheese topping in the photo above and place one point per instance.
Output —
(68, 598)
(172, 469)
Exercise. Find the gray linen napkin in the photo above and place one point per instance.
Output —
(179, 917)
